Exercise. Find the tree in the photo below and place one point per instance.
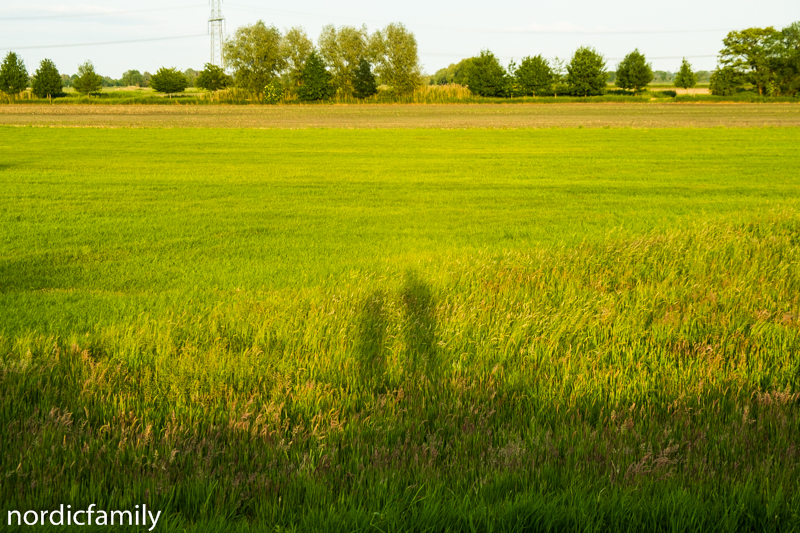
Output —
(13, 75)
(133, 78)
(685, 79)
(486, 76)
(750, 53)
(254, 54)
(586, 72)
(317, 82)
(47, 81)
(364, 85)
(786, 52)
(455, 73)
(295, 48)
(725, 81)
(559, 75)
(343, 49)
(147, 77)
(634, 72)
(212, 78)
(168, 80)
(397, 59)
(87, 80)
(534, 76)
(191, 76)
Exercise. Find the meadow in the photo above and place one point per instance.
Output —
(405, 329)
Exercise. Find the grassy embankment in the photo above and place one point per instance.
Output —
(403, 330)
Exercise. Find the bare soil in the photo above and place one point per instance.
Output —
(449, 116)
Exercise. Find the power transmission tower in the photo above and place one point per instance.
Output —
(215, 23)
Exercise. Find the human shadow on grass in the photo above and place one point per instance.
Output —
(420, 328)
(371, 344)
(421, 356)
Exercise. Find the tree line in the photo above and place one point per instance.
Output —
(351, 62)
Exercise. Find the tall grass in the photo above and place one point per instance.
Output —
(643, 381)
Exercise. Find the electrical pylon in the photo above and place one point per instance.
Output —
(215, 23)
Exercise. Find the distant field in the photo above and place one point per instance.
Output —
(404, 329)
(449, 116)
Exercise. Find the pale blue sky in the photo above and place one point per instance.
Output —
(446, 30)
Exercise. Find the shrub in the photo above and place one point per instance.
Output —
(168, 80)
(273, 92)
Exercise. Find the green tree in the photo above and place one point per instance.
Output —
(87, 81)
(169, 81)
(686, 78)
(786, 52)
(213, 78)
(295, 48)
(750, 53)
(534, 76)
(317, 82)
(586, 72)
(47, 81)
(486, 76)
(725, 81)
(559, 76)
(342, 49)
(364, 85)
(132, 78)
(191, 76)
(634, 72)
(455, 73)
(254, 54)
(397, 59)
(13, 75)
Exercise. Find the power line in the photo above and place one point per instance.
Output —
(255, 9)
(92, 15)
(102, 43)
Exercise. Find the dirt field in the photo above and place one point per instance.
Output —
(451, 116)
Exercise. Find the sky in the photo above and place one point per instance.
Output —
(145, 35)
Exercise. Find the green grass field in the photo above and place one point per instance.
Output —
(403, 330)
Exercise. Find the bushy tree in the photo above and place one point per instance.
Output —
(87, 80)
(486, 76)
(686, 78)
(455, 73)
(317, 82)
(586, 72)
(534, 76)
(342, 50)
(786, 60)
(47, 81)
(213, 78)
(13, 75)
(364, 85)
(132, 78)
(397, 60)
(634, 72)
(750, 53)
(725, 81)
(254, 53)
(169, 81)
(295, 48)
